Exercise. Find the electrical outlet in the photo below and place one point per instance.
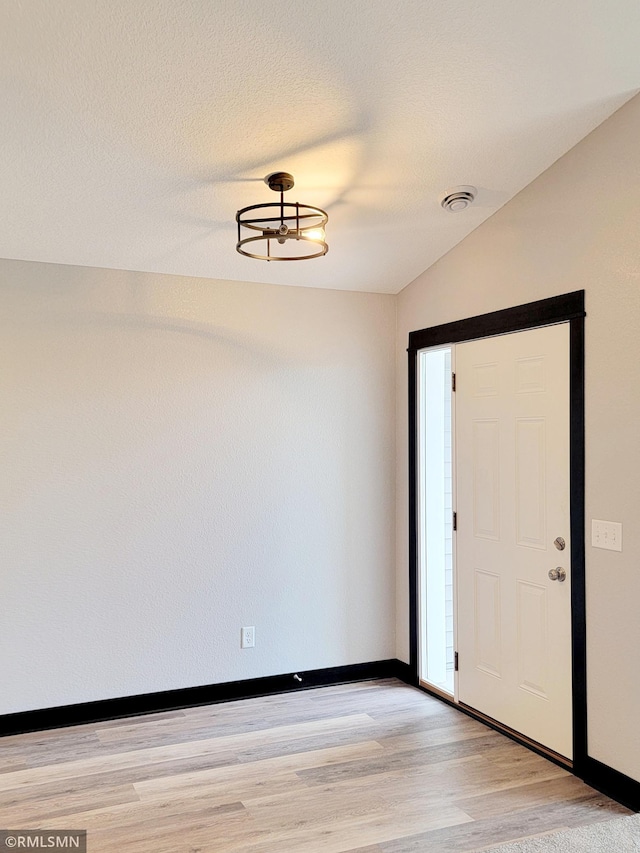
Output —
(247, 637)
(606, 534)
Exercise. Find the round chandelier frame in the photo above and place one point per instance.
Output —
(282, 225)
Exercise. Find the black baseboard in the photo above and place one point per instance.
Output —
(611, 782)
(405, 673)
(170, 700)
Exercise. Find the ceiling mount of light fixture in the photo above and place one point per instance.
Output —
(279, 182)
(287, 231)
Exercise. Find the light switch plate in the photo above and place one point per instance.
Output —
(606, 534)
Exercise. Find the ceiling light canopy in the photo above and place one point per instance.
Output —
(284, 230)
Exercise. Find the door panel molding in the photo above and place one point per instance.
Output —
(567, 308)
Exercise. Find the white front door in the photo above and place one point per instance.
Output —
(512, 476)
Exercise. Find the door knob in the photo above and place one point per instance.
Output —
(558, 574)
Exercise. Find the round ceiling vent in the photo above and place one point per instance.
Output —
(457, 199)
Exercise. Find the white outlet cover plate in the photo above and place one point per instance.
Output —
(248, 637)
(606, 535)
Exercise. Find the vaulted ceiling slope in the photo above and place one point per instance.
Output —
(133, 131)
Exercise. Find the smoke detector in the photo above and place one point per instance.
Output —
(458, 198)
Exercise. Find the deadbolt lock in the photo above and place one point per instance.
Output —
(560, 543)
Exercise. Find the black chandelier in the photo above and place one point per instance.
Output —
(291, 231)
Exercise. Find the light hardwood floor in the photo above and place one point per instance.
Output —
(373, 767)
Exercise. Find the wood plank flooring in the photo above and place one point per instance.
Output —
(373, 767)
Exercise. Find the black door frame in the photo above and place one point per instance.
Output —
(568, 308)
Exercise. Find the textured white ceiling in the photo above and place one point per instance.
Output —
(132, 130)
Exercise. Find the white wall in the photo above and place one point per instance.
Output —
(577, 226)
(181, 457)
